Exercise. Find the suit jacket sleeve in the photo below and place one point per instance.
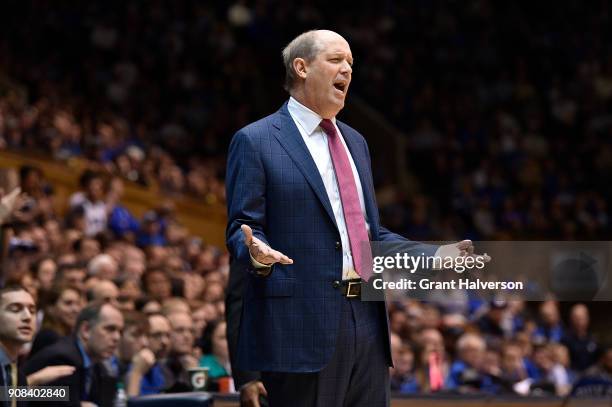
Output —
(57, 355)
(246, 194)
(385, 235)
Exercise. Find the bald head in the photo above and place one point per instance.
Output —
(318, 68)
(305, 46)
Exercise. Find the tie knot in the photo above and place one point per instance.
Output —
(328, 127)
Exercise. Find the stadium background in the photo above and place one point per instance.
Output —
(486, 120)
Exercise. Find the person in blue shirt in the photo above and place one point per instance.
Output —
(550, 328)
(466, 373)
(148, 374)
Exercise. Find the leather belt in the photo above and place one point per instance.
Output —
(350, 288)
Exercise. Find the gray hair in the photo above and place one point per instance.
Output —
(305, 46)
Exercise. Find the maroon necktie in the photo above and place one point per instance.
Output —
(353, 215)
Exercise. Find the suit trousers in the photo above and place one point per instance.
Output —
(357, 374)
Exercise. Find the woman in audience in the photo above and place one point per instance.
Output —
(215, 351)
(62, 306)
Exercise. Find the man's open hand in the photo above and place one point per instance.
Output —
(260, 251)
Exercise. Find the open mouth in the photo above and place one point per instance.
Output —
(341, 86)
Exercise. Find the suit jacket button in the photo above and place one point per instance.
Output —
(338, 245)
(336, 284)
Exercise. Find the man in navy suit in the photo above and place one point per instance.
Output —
(301, 205)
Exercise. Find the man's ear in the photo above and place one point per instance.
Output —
(300, 68)
(85, 331)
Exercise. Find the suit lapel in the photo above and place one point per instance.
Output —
(290, 138)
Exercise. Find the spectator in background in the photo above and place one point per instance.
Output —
(550, 327)
(151, 231)
(103, 266)
(97, 333)
(467, 372)
(148, 373)
(44, 271)
(62, 306)
(493, 325)
(87, 248)
(157, 285)
(181, 357)
(120, 220)
(104, 291)
(513, 368)
(579, 341)
(38, 206)
(215, 353)
(603, 368)
(72, 274)
(133, 340)
(91, 199)
(432, 361)
(402, 378)
(550, 371)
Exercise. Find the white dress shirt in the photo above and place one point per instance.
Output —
(315, 138)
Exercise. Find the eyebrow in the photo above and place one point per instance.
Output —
(22, 304)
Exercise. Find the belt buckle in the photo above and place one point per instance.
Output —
(348, 289)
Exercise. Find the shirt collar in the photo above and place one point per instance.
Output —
(4, 358)
(304, 117)
(86, 358)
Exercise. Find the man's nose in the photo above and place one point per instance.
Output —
(26, 315)
(346, 67)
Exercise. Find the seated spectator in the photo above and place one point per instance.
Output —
(513, 368)
(550, 328)
(466, 373)
(215, 351)
(148, 373)
(580, 342)
(72, 274)
(175, 304)
(129, 292)
(104, 291)
(550, 372)
(120, 220)
(603, 368)
(103, 266)
(62, 306)
(151, 232)
(133, 340)
(182, 353)
(560, 355)
(86, 248)
(44, 272)
(157, 285)
(91, 199)
(97, 333)
(493, 324)
(432, 361)
(402, 378)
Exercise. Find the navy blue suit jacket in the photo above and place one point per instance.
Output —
(290, 319)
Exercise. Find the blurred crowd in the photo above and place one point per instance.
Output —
(506, 114)
(168, 285)
(499, 347)
(505, 110)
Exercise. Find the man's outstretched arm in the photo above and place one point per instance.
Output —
(246, 203)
